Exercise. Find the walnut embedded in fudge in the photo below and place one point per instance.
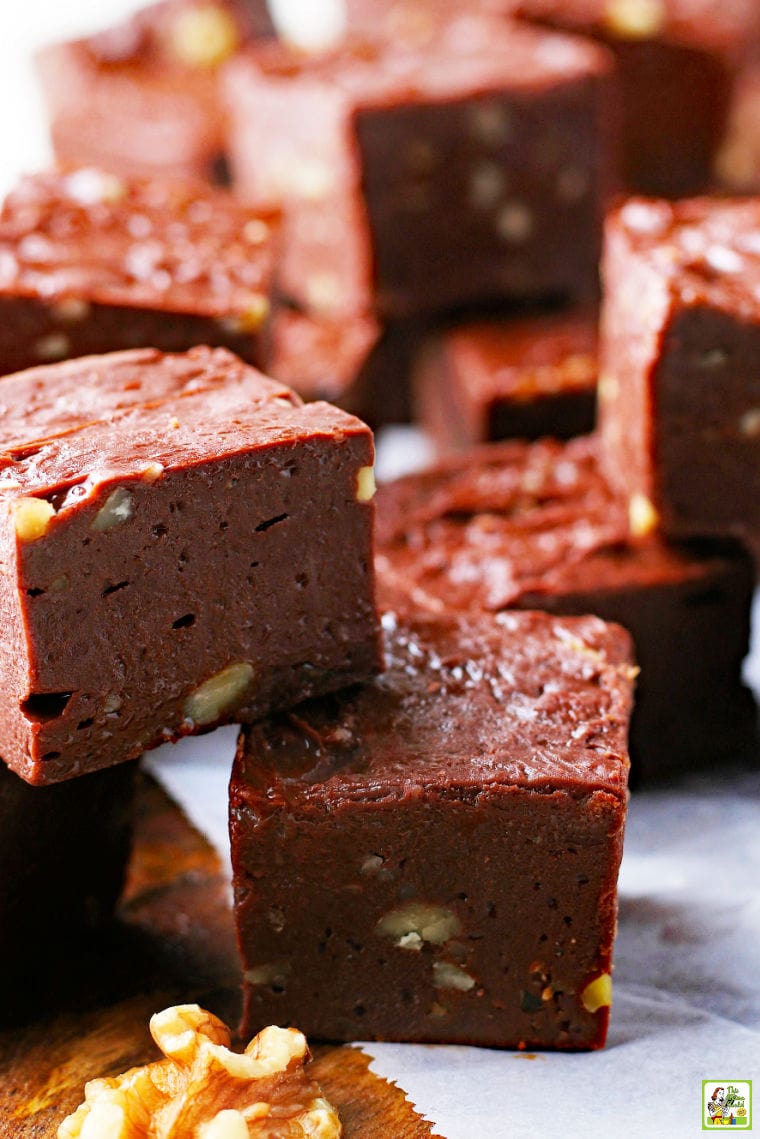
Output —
(481, 776)
(203, 1088)
(680, 394)
(91, 263)
(665, 50)
(173, 523)
(520, 525)
(475, 169)
(519, 377)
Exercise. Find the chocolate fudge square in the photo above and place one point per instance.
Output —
(91, 263)
(482, 776)
(171, 538)
(474, 169)
(680, 365)
(677, 61)
(63, 857)
(141, 98)
(535, 526)
(509, 377)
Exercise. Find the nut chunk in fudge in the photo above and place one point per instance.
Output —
(93, 263)
(680, 365)
(475, 169)
(535, 526)
(481, 777)
(171, 529)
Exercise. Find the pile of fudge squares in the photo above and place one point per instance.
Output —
(435, 682)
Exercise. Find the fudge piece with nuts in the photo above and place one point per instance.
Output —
(142, 98)
(202, 1088)
(63, 856)
(169, 526)
(482, 776)
(91, 263)
(518, 377)
(414, 179)
(535, 526)
(666, 51)
(679, 390)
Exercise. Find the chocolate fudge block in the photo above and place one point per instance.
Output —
(677, 61)
(63, 855)
(416, 180)
(91, 263)
(142, 98)
(535, 526)
(356, 363)
(520, 377)
(680, 365)
(170, 527)
(482, 776)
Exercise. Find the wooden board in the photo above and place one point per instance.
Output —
(174, 943)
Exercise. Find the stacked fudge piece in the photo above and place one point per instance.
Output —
(416, 180)
(171, 527)
(167, 527)
(384, 840)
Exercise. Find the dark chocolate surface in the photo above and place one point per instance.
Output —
(63, 857)
(536, 526)
(207, 513)
(449, 793)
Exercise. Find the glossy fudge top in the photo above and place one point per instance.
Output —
(151, 244)
(517, 700)
(467, 57)
(526, 357)
(713, 24)
(66, 427)
(511, 523)
(706, 249)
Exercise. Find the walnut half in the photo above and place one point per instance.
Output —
(203, 1090)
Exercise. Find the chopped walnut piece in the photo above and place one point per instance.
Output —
(203, 1090)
